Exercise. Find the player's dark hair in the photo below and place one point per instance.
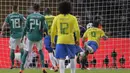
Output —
(36, 7)
(47, 11)
(96, 24)
(15, 8)
(65, 7)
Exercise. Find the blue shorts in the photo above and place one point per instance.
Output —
(63, 50)
(47, 43)
(93, 44)
(78, 49)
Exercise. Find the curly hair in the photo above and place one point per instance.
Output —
(65, 7)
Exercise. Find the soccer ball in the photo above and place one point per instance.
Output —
(89, 25)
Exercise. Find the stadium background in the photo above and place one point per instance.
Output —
(114, 16)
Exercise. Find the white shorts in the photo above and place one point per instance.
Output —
(29, 45)
(13, 43)
(18, 56)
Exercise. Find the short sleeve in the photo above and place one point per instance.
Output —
(102, 33)
(85, 34)
(7, 19)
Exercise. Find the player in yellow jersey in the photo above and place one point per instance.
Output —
(64, 25)
(47, 41)
(94, 34)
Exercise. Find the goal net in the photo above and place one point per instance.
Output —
(113, 15)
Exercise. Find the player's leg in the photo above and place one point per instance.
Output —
(29, 45)
(91, 47)
(71, 55)
(47, 43)
(61, 53)
(12, 49)
(39, 47)
(21, 46)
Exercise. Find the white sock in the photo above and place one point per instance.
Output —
(52, 59)
(62, 66)
(56, 60)
(90, 49)
(72, 65)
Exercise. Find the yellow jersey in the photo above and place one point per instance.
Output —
(94, 34)
(49, 20)
(64, 26)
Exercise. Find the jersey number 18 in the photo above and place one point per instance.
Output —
(16, 23)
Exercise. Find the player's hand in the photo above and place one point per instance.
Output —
(77, 43)
(21, 40)
(53, 45)
(2, 34)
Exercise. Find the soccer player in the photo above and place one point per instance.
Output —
(64, 25)
(93, 34)
(16, 22)
(47, 41)
(35, 24)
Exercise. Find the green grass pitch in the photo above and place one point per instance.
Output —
(68, 71)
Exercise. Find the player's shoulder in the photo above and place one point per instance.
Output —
(49, 16)
(73, 17)
(92, 28)
(10, 14)
(21, 14)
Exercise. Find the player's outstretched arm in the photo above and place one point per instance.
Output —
(3, 26)
(105, 37)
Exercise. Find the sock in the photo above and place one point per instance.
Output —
(52, 59)
(72, 65)
(12, 56)
(56, 61)
(42, 58)
(90, 49)
(23, 60)
(22, 52)
(62, 66)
